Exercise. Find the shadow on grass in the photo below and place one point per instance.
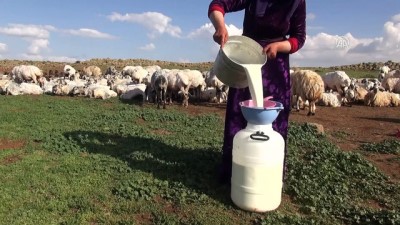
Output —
(194, 168)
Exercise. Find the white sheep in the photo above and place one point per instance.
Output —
(383, 71)
(210, 95)
(307, 85)
(137, 73)
(92, 71)
(133, 91)
(27, 73)
(336, 81)
(197, 82)
(3, 86)
(70, 72)
(390, 81)
(212, 80)
(331, 99)
(151, 69)
(99, 91)
(23, 89)
(178, 85)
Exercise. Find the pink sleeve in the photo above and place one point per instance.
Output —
(294, 45)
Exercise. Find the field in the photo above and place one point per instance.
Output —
(67, 160)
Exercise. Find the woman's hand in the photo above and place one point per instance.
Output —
(221, 36)
(221, 33)
(271, 50)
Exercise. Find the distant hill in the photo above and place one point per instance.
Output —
(46, 66)
(368, 66)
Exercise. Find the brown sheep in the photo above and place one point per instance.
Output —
(307, 85)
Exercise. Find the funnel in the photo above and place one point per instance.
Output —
(261, 115)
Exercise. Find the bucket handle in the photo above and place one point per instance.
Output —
(259, 136)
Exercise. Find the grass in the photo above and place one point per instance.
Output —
(85, 161)
(352, 73)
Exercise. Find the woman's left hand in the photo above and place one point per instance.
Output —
(272, 49)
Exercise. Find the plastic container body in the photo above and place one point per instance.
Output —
(257, 168)
(237, 50)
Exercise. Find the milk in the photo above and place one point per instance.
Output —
(254, 79)
(257, 188)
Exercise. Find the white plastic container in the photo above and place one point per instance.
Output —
(257, 163)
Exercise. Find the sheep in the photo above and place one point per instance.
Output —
(137, 73)
(369, 84)
(69, 72)
(63, 89)
(102, 93)
(134, 90)
(383, 71)
(357, 94)
(309, 86)
(212, 80)
(332, 99)
(210, 95)
(336, 81)
(151, 70)
(377, 98)
(182, 85)
(23, 73)
(99, 91)
(159, 83)
(48, 86)
(24, 89)
(390, 80)
(111, 70)
(391, 84)
(3, 86)
(178, 82)
(92, 71)
(197, 82)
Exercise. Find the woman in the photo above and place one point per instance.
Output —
(279, 26)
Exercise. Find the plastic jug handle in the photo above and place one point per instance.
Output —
(259, 136)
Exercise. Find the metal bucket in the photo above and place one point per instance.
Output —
(236, 51)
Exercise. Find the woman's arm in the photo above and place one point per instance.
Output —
(297, 30)
(221, 33)
(297, 34)
(216, 13)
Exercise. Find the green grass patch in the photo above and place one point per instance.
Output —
(87, 161)
(386, 146)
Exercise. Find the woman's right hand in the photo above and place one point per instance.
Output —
(221, 33)
(221, 36)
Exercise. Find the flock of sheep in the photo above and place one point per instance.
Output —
(150, 83)
(337, 88)
(162, 86)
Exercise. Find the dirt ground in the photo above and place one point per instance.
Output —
(347, 127)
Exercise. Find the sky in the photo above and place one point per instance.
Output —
(339, 32)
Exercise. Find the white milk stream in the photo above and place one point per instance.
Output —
(254, 78)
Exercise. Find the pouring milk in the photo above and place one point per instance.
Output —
(254, 79)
